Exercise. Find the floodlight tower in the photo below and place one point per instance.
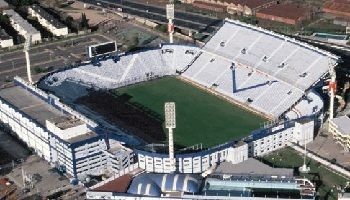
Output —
(170, 10)
(332, 86)
(170, 124)
(28, 40)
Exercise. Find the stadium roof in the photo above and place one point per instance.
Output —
(156, 184)
(217, 184)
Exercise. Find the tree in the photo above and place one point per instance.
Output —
(84, 23)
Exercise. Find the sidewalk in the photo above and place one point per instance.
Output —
(324, 162)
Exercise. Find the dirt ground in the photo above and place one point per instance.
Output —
(94, 16)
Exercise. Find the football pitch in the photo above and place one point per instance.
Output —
(200, 116)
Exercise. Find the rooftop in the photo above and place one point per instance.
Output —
(55, 22)
(40, 111)
(339, 6)
(65, 122)
(251, 167)
(209, 4)
(120, 184)
(250, 3)
(288, 11)
(31, 105)
(20, 21)
(343, 124)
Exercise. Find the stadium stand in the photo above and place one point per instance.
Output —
(312, 103)
(286, 59)
(250, 65)
(245, 64)
(130, 68)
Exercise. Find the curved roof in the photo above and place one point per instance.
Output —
(155, 184)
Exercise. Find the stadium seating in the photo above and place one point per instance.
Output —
(312, 103)
(271, 72)
(284, 58)
(130, 68)
(263, 70)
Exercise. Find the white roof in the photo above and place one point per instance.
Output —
(21, 22)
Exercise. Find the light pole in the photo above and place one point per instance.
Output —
(170, 124)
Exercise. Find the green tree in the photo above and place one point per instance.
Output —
(4, 19)
(84, 23)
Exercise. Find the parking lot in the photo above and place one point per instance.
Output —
(45, 58)
(45, 182)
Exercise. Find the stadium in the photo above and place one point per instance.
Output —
(243, 74)
(245, 93)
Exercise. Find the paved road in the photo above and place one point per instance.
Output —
(186, 20)
(49, 56)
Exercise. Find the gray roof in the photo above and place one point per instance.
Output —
(251, 167)
(4, 35)
(343, 124)
(22, 22)
(55, 22)
(40, 111)
(30, 104)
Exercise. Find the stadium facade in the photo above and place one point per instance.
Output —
(262, 71)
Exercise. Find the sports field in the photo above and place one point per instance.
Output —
(201, 117)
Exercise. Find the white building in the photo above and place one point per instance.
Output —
(48, 21)
(340, 129)
(264, 141)
(22, 26)
(61, 136)
(198, 162)
(5, 39)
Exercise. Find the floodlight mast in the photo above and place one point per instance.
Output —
(332, 89)
(28, 40)
(170, 12)
(170, 124)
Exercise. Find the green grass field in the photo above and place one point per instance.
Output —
(201, 117)
(325, 179)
